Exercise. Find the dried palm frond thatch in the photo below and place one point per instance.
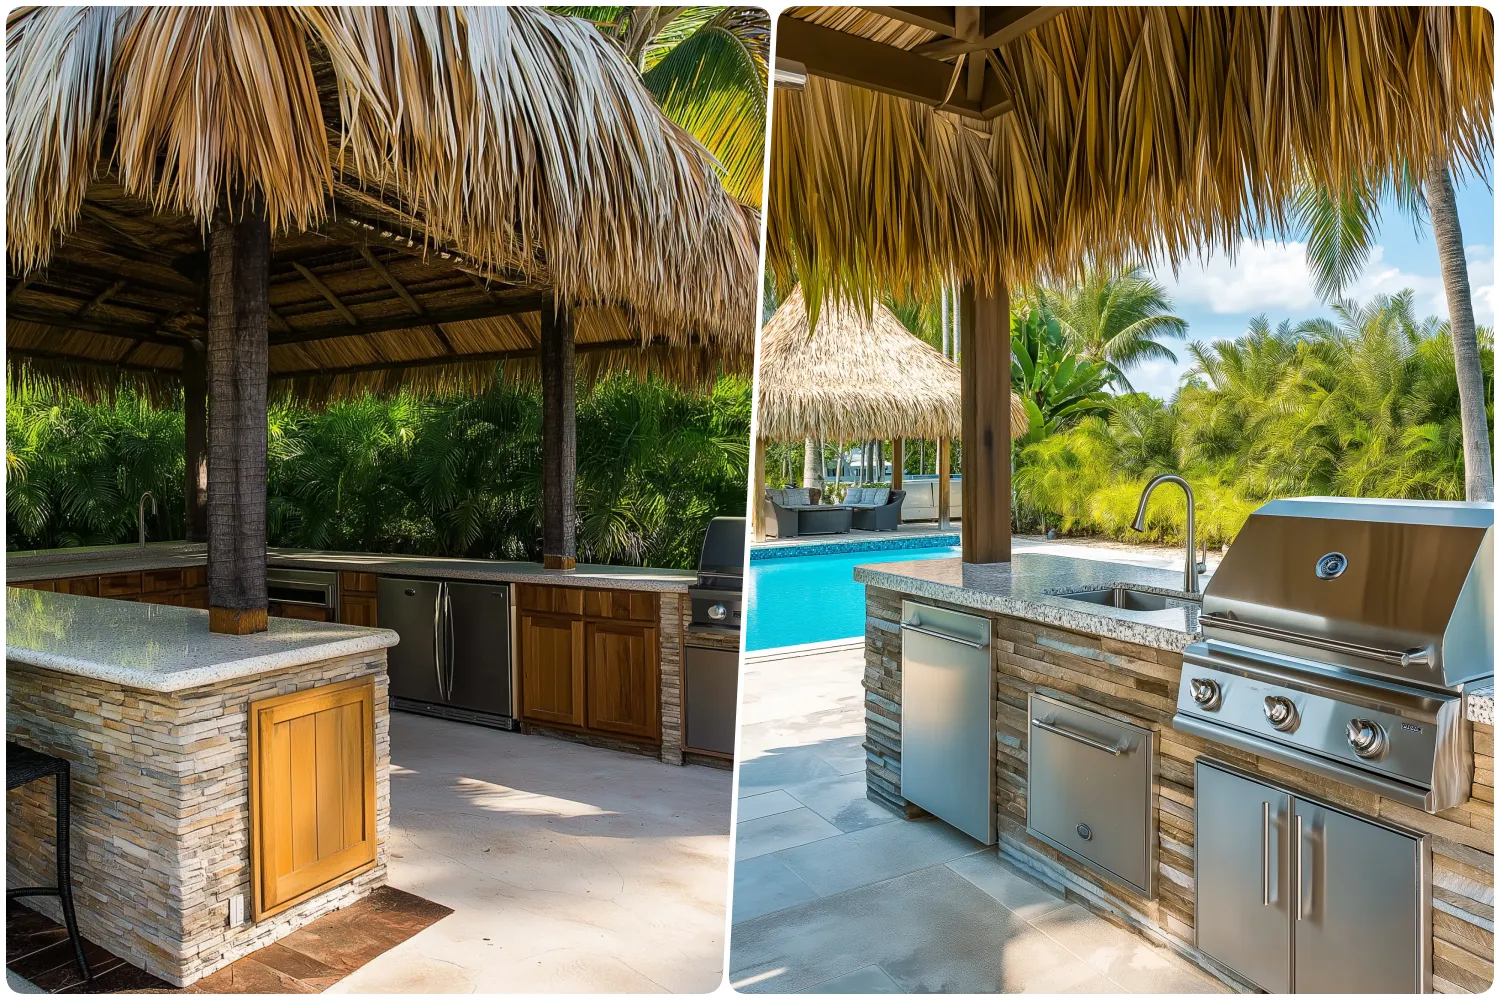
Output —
(859, 375)
(513, 136)
(1134, 134)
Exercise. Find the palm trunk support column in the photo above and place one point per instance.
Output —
(239, 261)
(559, 439)
(984, 340)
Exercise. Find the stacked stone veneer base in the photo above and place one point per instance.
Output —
(161, 810)
(673, 616)
(1138, 684)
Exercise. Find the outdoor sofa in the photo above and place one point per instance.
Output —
(875, 508)
(793, 512)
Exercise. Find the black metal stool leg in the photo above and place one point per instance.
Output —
(65, 876)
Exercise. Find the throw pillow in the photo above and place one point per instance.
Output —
(777, 497)
(878, 497)
(855, 496)
(796, 496)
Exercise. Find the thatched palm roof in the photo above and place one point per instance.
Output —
(432, 174)
(857, 376)
(1107, 134)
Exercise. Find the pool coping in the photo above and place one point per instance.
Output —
(762, 553)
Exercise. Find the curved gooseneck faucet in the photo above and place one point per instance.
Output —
(140, 516)
(1190, 566)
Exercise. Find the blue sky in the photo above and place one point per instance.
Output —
(1219, 296)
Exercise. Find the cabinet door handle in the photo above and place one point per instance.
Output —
(1078, 737)
(1265, 854)
(908, 626)
(1297, 832)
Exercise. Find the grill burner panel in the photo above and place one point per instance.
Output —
(1353, 668)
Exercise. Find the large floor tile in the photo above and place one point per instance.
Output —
(870, 979)
(764, 885)
(842, 801)
(781, 767)
(876, 854)
(1011, 889)
(846, 754)
(781, 831)
(765, 804)
(1124, 957)
(931, 931)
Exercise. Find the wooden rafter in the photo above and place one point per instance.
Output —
(1001, 26)
(457, 359)
(499, 307)
(390, 279)
(326, 292)
(99, 300)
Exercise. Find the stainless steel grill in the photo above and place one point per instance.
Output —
(1339, 635)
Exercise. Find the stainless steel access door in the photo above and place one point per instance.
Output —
(410, 608)
(1241, 876)
(1363, 923)
(948, 717)
(477, 634)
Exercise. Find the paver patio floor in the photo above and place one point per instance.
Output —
(835, 894)
(569, 869)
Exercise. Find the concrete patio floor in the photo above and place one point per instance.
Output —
(835, 894)
(570, 869)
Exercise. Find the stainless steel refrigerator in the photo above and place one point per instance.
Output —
(454, 656)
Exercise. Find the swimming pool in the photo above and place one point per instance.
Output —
(814, 598)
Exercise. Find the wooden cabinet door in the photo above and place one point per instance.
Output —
(552, 656)
(623, 679)
(355, 609)
(86, 586)
(312, 792)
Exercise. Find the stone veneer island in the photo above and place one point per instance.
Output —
(226, 790)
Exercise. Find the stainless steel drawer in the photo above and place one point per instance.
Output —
(1089, 791)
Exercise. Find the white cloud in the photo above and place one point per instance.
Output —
(1274, 278)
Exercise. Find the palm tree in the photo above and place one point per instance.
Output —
(707, 69)
(1340, 229)
(1115, 320)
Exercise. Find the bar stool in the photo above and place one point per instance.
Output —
(23, 766)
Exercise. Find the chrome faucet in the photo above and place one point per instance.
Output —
(1190, 565)
(140, 516)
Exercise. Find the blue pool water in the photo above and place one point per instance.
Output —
(814, 598)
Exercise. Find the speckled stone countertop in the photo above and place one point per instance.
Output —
(1480, 698)
(44, 565)
(162, 648)
(1028, 588)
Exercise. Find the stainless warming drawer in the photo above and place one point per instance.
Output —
(948, 717)
(1089, 791)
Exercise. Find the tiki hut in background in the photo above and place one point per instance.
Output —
(1005, 145)
(332, 199)
(860, 374)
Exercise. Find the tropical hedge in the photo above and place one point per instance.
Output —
(451, 476)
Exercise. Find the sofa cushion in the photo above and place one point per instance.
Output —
(777, 497)
(797, 496)
(854, 496)
(878, 496)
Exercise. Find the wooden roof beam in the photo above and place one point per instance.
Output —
(939, 19)
(457, 359)
(390, 279)
(500, 307)
(327, 293)
(100, 299)
(123, 365)
(850, 59)
(149, 334)
(1001, 26)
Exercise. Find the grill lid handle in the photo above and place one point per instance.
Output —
(1403, 658)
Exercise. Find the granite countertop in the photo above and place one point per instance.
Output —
(21, 567)
(162, 648)
(1480, 698)
(1028, 588)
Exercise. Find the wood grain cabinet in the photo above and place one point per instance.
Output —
(590, 660)
(312, 792)
(622, 679)
(552, 669)
(359, 602)
(187, 587)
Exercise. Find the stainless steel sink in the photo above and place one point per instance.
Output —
(1127, 598)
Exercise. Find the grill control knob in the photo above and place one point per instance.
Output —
(1205, 693)
(717, 612)
(1367, 738)
(1281, 713)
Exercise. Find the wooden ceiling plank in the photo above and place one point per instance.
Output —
(863, 63)
(326, 292)
(390, 279)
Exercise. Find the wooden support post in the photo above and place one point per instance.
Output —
(944, 487)
(559, 439)
(758, 490)
(898, 458)
(239, 261)
(195, 441)
(984, 343)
